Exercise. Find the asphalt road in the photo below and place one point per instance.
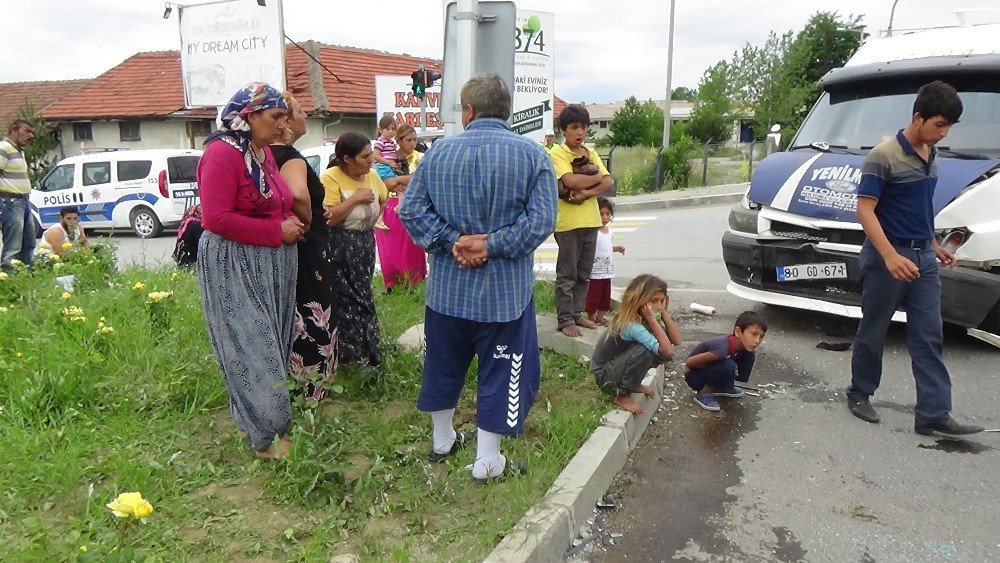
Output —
(790, 475)
(135, 251)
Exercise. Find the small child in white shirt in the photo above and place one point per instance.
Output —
(599, 291)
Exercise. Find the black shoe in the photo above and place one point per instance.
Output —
(460, 439)
(513, 467)
(861, 408)
(945, 427)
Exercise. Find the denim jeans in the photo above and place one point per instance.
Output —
(920, 299)
(11, 227)
(722, 374)
(29, 238)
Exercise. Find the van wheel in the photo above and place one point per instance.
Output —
(145, 223)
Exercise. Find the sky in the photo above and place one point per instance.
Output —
(605, 50)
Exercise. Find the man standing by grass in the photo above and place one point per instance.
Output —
(14, 188)
(480, 203)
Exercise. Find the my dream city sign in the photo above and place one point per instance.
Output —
(228, 44)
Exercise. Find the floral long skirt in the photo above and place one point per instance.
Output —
(352, 262)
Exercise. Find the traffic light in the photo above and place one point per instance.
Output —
(419, 77)
(432, 77)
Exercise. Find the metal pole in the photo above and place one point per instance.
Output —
(658, 176)
(892, 14)
(465, 33)
(423, 113)
(670, 62)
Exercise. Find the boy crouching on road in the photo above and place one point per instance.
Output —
(716, 364)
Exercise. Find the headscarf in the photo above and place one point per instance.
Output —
(235, 130)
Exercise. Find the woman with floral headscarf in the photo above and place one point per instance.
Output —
(247, 264)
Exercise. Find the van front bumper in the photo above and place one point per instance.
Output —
(970, 298)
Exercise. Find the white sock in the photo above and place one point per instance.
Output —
(444, 434)
(489, 462)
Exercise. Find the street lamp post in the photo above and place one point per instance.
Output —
(892, 14)
(666, 110)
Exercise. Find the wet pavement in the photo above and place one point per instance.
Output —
(790, 475)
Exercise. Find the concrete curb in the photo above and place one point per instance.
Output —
(546, 531)
(675, 203)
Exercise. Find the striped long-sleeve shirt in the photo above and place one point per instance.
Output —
(13, 169)
(485, 180)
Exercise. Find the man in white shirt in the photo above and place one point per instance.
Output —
(68, 229)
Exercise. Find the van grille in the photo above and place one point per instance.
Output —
(838, 236)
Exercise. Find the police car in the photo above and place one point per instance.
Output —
(142, 190)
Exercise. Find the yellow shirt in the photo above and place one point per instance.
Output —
(339, 187)
(572, 215)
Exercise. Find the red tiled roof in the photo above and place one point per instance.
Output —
(150, 85)
(40, 94)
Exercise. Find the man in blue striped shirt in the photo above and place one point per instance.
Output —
(480, 203)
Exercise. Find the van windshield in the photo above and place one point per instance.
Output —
(860, 116)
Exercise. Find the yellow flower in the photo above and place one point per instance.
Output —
(45, 244)
(66, 295)
(58, 264)
(3, 309)
(175, 276)
(139, 286)
(157, 296)
(43, 250)
(56, 258)
(100, 324)
(105, 330)
(16, 263)
(3, 276)
(130, 504)
(20, 354)
(67, 245)
(83, 548)
(91, 262)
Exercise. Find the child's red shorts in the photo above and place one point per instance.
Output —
(598, 297)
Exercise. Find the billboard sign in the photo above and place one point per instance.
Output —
(225, 45)
(534, 73)
(394, 96)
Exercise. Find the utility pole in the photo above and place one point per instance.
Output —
(666, 110)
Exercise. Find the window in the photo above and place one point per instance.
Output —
(201, 128)
(129, 130)
(61, 178)
(314, 161)
(133, 169)
(95, 173)
(182, 169)
(83, 132)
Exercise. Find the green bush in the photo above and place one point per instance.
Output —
(675, 162)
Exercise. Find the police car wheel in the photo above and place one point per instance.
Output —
(145, 223)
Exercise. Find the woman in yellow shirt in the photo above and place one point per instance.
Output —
(354, 199)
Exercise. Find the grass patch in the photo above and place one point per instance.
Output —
(141, 408)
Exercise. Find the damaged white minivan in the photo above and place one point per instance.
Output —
(794, 239)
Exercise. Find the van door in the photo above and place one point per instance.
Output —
(182, 181)
(54, 193)
(94, 194)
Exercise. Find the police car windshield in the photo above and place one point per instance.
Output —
(863, 115)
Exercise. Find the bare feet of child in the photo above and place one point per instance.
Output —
(645, 390)
(628, 403)
(381, 225)
(586, 323)
(600, 320)
(571, 331)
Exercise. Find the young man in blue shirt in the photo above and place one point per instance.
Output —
(480, 203)
(899, 263)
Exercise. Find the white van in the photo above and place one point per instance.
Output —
(794, 239)
(144, 190)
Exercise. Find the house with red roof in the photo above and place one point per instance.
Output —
(37, 95)
(140, 102)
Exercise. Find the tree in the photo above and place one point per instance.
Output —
(684, 93)
(825, 43)
(36, 154)
(711, 121)
(636, 123)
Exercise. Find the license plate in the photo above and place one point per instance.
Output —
(824, 271)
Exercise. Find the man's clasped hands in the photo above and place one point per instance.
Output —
(470, 251)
